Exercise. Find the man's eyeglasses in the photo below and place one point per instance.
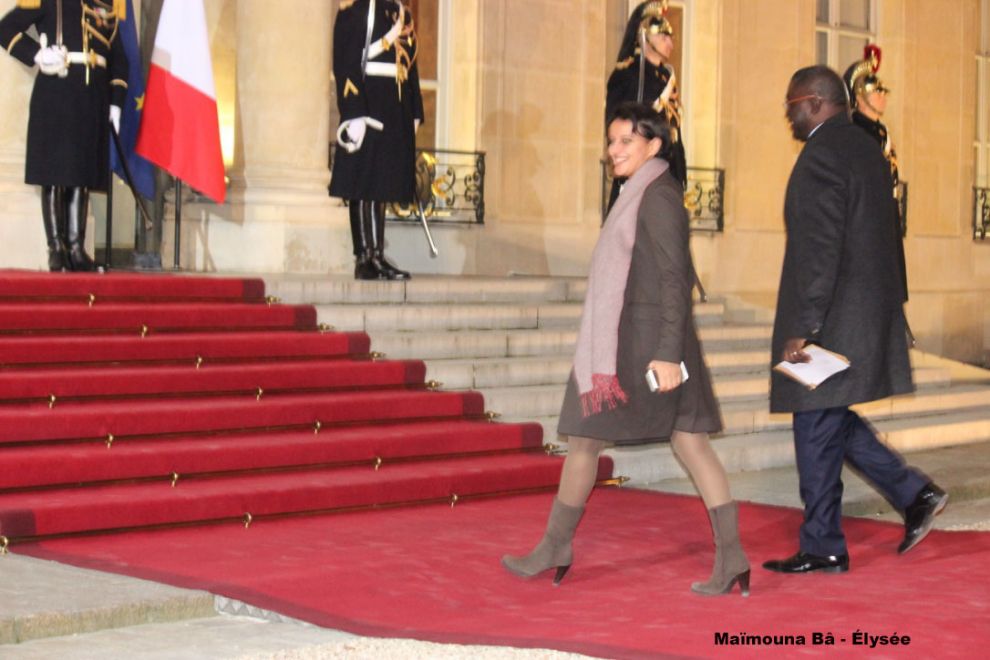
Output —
(801, 98)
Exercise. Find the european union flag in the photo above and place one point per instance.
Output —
(130, 115)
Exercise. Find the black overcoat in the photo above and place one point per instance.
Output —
(657, 323)
(840, 286)
(68, 142)
(383, 169)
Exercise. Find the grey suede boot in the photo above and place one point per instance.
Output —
(731, 565)
(554, 549)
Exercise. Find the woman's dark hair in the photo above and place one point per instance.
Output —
(646, 122)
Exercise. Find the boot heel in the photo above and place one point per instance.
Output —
(743, 580)
(561, 572)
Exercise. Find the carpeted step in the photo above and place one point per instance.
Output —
(184, 347)
(207, 380)
(147, 504)
(151, 318)
(94, 420)
(98, 287)
(378, 445)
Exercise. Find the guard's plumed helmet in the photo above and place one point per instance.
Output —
(654, 18)
(861, 77)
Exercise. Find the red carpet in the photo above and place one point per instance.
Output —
(136, 401)
(432, 573)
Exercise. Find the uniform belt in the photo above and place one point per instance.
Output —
(383, 69)
(91, 58)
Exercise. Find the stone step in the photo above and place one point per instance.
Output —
(959, 470)
(753, 416)
(411, 317)
(464, 344)
(744, 395)
(322, 290)
(87, 601)
(775, 448)
(484, 373)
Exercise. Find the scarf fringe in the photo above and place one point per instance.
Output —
(605, 392)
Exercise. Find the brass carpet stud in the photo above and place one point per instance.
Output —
(325, 327)
(144, 330)
(272, 300)
(433, 385)
(317, 427)
(4, 542)
(247, 520)
(378, 462)
(615, 481)
(51, 401)
(90, 300)
(491, 415)
(377, 355)
(550, 448)
(109, 441)
(257, 395)
(199, 361)
(175, 478)
(453, 500)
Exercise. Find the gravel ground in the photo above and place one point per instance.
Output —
(373, 648)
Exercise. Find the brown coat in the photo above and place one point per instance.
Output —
(657, 323)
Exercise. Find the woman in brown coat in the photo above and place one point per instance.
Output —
(637, 318)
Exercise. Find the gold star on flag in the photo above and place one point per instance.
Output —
(139, 102)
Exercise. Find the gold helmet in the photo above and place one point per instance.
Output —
(861, 77)
(654, 19)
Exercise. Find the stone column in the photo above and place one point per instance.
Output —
(22, 236)
(278, 217)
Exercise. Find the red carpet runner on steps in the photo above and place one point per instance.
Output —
(130, 401)
(134, 401)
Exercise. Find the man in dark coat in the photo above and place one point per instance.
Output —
(80, 87)
(841, 289)
(378, 95)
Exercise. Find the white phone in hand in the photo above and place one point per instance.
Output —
(654, 385)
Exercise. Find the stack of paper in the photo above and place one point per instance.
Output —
(823, 365)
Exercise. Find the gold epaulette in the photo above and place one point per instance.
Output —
(28, 4)
(625, 64)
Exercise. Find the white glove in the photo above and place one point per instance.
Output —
(115, 118)
(52, 60)
(416, 124)
(356, 129)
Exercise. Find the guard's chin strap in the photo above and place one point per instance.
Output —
(870, 106)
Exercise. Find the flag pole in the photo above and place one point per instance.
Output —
(178, 221)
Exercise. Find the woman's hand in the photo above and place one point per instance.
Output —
(668, 375)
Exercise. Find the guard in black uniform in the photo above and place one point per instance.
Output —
(378, 95)
(644, 55)
(868, 96)
(80, 87)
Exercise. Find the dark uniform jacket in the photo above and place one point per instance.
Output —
(68, 127)
(840, 286)
(383, 169)
(623, 85)
(878, 132)
(657, 323)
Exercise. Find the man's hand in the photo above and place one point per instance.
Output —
(793, 351)
(52, 60)
(668, 375)
(115, 118)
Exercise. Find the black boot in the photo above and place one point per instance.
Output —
(389, 271)
(51, 214)
(76, 206)
(365, 267)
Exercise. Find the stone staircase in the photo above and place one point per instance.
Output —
(513, 338)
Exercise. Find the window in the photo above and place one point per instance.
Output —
(843, 28)
(426, 14)
(982, 145)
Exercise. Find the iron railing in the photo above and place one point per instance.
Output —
(450, 186)
(981, 213)
(703, 197)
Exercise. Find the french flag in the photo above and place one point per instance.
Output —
(180, 131)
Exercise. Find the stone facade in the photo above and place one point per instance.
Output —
(525, 83)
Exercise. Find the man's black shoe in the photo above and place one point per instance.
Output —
(803, 562)
(919, 516)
